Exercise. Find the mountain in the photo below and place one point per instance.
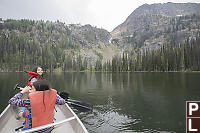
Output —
(156, 37)
(151, 26)
(24, 43)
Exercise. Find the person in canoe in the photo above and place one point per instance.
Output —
(39, 105)
(36, 74)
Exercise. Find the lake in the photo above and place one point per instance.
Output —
(123, 102)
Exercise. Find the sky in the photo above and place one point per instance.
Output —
(106, 14)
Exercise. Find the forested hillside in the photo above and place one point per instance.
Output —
(182, 57)
(156, 37)
(24, 43)
(159, 37)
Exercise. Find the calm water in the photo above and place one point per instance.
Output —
(123, 102)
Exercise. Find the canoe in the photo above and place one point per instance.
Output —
(65, 121)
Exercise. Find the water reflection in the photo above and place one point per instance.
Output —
(123, 102)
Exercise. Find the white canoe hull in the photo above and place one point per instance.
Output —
(66, 121)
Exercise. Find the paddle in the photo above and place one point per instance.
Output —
(79, 105)
(17, 87)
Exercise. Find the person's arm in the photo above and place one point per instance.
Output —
(17, 101)
(59, 100)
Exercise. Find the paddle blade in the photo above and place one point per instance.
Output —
(83, 104)
(80, 107)
(16, 87)
(64, 95)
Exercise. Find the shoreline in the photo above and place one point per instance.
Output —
(112, 71)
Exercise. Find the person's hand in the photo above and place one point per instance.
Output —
(26, 89)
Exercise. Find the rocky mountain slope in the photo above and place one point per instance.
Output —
(94, 42)
(151, 26)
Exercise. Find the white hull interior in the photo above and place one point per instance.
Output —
(8, 122)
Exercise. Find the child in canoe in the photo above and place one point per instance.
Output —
(39, 106)
(36, 74)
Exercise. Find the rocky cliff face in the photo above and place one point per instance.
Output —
(94, 43)
(150, 26)
(88, 35)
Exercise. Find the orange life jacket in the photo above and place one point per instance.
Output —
(42, 107)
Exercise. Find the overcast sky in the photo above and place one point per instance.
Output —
(105, 14)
